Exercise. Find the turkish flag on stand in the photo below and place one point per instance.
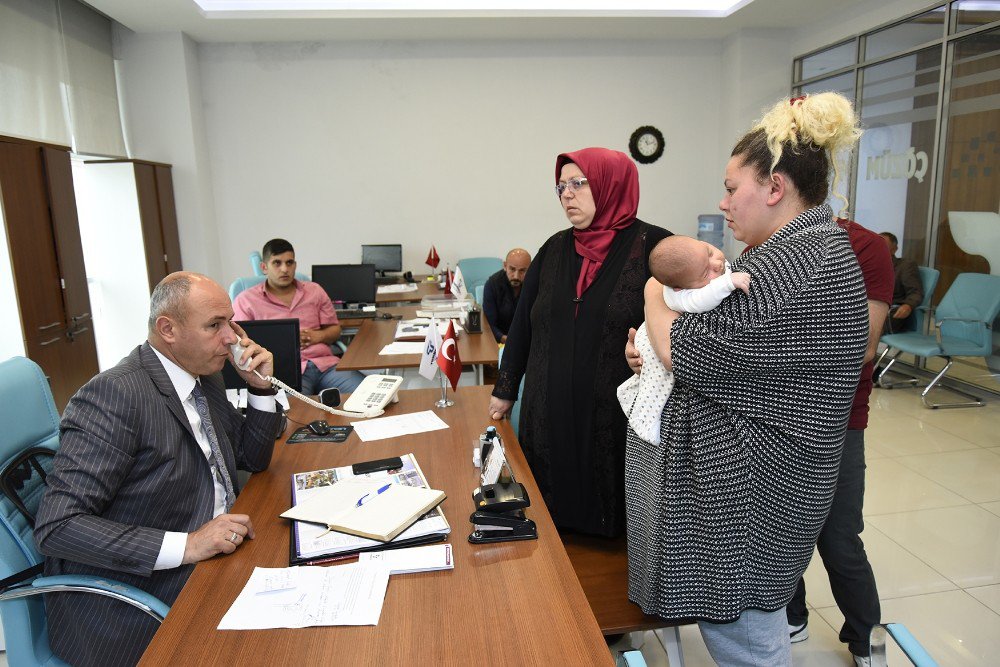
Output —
(432, 258)
(447, 281)
(448, 360)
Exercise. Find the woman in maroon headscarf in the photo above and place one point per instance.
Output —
(582, 293)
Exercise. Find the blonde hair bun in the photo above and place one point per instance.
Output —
(824, 120)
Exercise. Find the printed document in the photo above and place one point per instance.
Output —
(398, 425)
(301, 597)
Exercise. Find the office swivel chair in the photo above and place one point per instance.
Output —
(928, 282)
(255, 261)
(477, 270)
(28, 441)
(962, 326)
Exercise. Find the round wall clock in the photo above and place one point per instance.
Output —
(646, 144)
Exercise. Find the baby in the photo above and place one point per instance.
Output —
(696, 278)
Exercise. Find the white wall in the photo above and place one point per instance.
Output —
(334, 145)
(161, 98)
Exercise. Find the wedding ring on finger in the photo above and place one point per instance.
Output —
(234, 537)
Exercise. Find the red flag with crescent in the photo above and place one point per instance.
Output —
(432, 258)
(447, 281)
(448, 359)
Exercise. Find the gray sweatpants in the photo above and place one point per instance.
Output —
(755, 639)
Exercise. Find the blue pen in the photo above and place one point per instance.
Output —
(365, 498)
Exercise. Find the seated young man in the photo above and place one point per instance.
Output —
(282, 296)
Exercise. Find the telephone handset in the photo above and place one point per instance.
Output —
(374, 392)
(365, 412)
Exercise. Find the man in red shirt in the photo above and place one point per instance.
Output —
(839, 544)
(282, 296)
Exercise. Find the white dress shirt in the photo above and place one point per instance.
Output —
(172, 550)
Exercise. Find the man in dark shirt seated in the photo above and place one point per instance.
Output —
(502, 291)
(908, 292)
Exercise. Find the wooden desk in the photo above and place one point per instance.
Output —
(424, 288)
(514, 603)
(373, 335)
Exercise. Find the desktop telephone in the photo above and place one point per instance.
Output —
(370, 401)
(374, 392)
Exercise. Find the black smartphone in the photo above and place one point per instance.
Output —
(366, 467)
(330, 397)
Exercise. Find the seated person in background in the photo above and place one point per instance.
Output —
(696, 278)
(136, 492)
(908, 292)
(502, 291)
(282, 296)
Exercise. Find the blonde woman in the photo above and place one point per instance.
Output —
(723, 515)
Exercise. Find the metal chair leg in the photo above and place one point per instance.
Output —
(974, 401)
(670, 638)
(917, 654)
(911, 382)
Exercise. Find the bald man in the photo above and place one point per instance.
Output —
(502, 291)
(145, 476)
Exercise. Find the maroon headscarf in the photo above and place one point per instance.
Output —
(614, 184)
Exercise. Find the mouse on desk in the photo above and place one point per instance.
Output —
(319, 427)
(385, 316)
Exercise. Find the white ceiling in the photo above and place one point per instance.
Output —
(151, 16)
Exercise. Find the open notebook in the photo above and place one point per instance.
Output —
(379, 510)
(312, 543)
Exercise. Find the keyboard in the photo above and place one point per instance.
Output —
(386, 280)
(353, 313)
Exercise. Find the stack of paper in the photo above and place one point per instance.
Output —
(416, 329)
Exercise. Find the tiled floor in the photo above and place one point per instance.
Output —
(932, 532)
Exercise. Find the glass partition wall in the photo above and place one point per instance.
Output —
(927, 88)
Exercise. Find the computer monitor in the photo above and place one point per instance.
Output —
(346, 283)
(281, 338)
(385, 257)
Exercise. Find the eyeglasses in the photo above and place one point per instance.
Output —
(574, 184)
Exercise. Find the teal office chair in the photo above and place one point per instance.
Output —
(917, 654)
(928, 281)
(962, 327)
(28, 441)
(241, 284)
(479, 293)
(477, 270)
(255, 261)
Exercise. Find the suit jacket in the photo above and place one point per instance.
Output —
(128, 469)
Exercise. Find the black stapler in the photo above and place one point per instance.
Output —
(501, 527)
(500, 500)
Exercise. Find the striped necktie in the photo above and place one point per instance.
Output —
(217, 461)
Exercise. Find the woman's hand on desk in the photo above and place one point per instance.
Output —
(499, 407)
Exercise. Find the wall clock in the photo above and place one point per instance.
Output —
(646, 144)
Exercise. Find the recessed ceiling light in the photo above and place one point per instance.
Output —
(301, 8)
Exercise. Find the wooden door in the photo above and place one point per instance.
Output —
(47, 263)
(168, 218)
(149, 214)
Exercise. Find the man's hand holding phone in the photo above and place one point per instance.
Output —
(249, 357)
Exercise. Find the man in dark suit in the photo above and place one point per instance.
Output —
(137, 491)
(502, 291)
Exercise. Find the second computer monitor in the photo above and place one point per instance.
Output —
(385, 257)
(346, 283)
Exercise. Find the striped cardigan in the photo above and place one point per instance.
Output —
(723, 516)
